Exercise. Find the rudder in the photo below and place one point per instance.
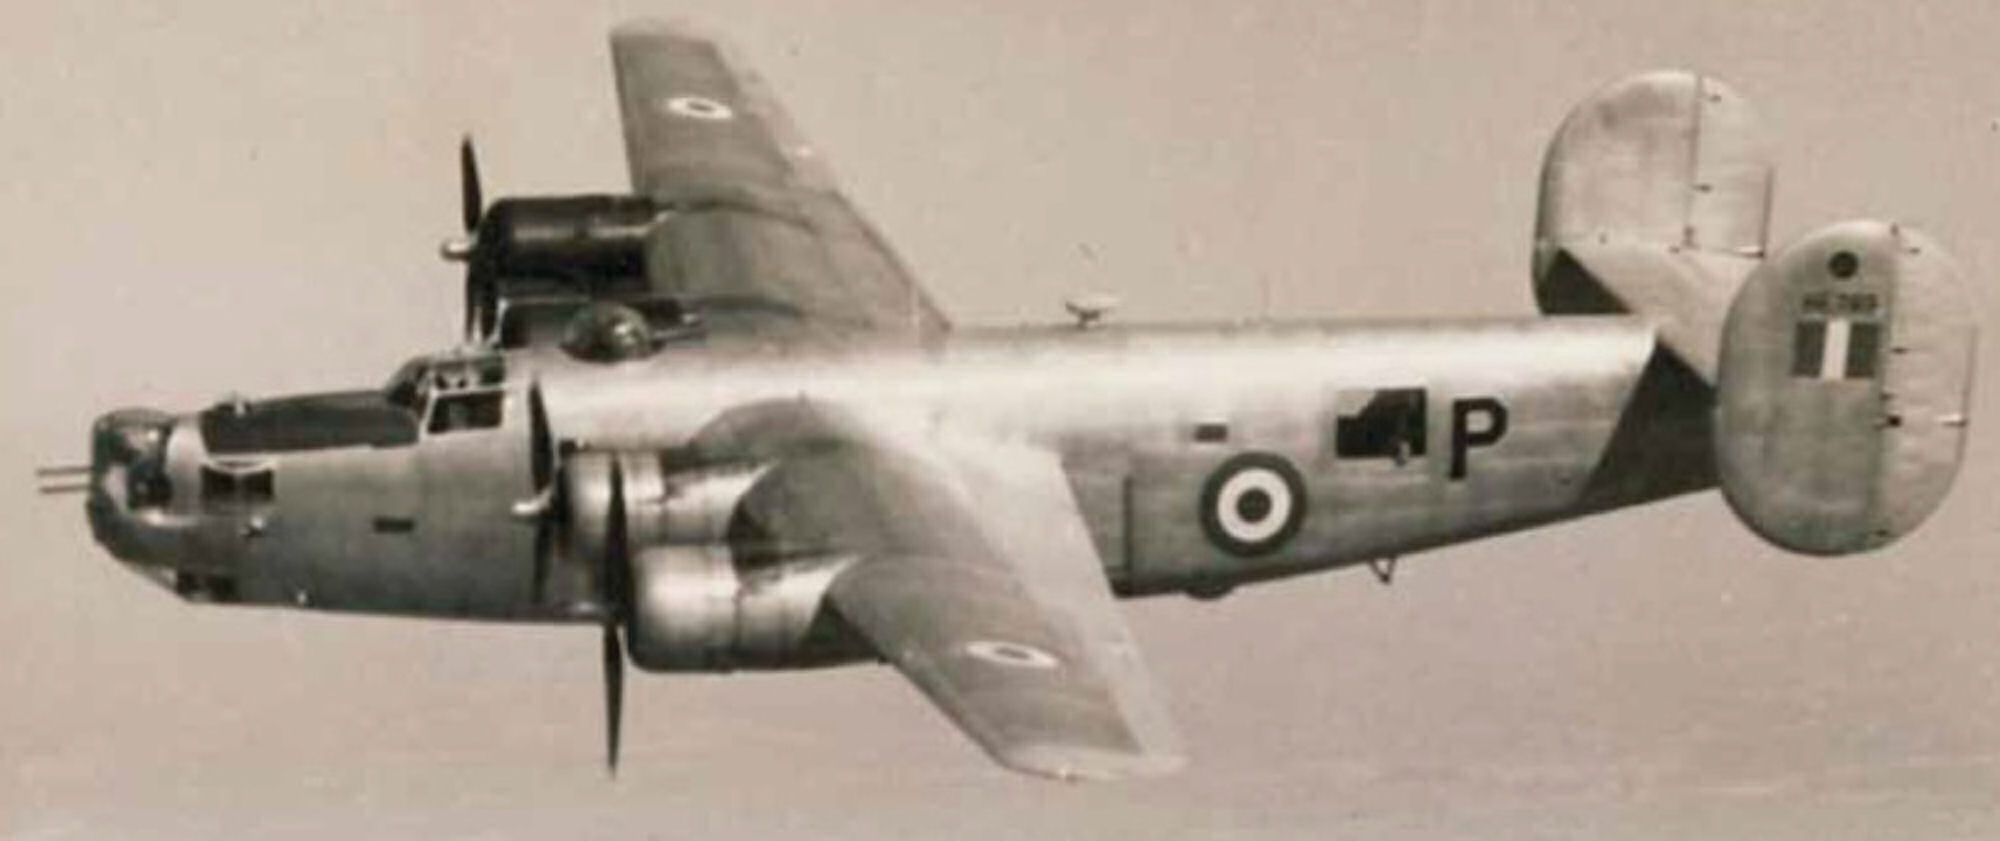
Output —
(1655, 200)
(1845, 384)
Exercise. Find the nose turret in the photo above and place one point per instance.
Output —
(131, 488)
(130, 446)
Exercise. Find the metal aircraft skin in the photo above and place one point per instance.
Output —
(719, 418)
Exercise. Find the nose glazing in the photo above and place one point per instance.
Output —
(128, 476)
(133, 442)
(120, 436)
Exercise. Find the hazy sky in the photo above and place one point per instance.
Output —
(248, 196)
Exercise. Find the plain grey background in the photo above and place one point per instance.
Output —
(247, 196)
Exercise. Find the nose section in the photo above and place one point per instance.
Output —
(130, 487)
(143, 504)
(127, 434)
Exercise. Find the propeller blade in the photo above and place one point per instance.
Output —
(617, 594)
(472, 207)
(475, 300)
(548, 506)
(545, 542)
(614, 694)
(471, 203)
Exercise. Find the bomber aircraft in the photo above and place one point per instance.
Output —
(719, 418)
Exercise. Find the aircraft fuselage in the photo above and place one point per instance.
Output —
(1200, 457)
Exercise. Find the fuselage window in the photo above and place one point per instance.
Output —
(410, 387)
(223, 486)
(484, 372)
(470, 410)
(1390, 424)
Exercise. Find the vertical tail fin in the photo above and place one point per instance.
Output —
(1844, 388)
(1841, 367)
(1655, 201)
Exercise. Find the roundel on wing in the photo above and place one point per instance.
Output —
(1253, 504)
(1014, 654)
(699, 108)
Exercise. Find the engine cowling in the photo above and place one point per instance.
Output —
(590, 237)
(1843, 388)
(582, 245)
(693, 611)
(660, 542)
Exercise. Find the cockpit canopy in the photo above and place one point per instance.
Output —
(305, 422)
(451, 393)
(427, 394)
(415, 382)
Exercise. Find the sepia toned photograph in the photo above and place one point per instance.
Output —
(1276, 420)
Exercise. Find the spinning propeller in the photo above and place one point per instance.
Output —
(614, 580)
(471, 203)
(480, 291)
(549, 509)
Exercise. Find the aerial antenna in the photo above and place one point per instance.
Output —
(1384, 569)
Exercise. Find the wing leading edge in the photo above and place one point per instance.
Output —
(977, 580)
(755, 234)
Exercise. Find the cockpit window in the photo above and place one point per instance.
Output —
(308, 422)
(225, 485)
(468, 410)
(409, 387)
(478, 372)
(491, 370)
(415, 383)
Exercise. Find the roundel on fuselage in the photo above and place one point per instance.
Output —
(1253, 504)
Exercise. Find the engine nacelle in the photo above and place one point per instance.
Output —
(659, 543)
(692, 610)
(566, 237)
(1843, 388)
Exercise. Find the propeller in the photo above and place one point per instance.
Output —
(479, 290)
(617, 593)
(614, 694)
(471, 204)
(548, 508)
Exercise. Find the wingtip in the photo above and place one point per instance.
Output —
(1073, 763)
(652, 27)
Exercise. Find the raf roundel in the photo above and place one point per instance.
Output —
(1012, 654)
(698, 107)
(1253, 504)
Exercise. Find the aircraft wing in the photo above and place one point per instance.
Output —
(977, 580)
(756, 236)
